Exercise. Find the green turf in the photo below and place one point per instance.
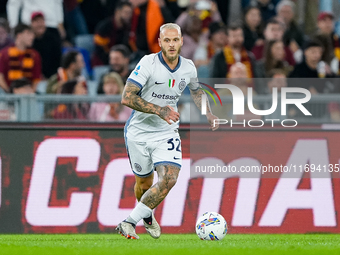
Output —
(169, 244)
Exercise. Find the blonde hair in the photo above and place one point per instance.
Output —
(170, 26)
(114, 77)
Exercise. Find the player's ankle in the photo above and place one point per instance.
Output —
(148, 220)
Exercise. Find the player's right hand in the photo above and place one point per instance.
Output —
(168, 114)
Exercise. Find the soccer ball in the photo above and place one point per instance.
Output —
(211, 226)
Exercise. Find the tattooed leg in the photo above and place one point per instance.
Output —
(167, 177)
(142, 185)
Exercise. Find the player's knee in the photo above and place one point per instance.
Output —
(145, 186)
(168, 182)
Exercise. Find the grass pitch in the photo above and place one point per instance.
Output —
(169, 244)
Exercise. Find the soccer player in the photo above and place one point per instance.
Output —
(151, 133)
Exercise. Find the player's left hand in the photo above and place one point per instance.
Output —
(211, 118)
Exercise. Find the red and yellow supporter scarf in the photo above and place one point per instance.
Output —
(336, 45)
(20, 68)
(230, 60)
(62, 74)
(102, 42)
(211, 50)
(204, 16)
(154, 19)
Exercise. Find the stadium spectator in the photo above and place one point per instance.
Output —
(293, 35)
(267, 7)
(78, 111)
(52, 10)
(232, 53)
(313, 67)
(238, 76)
(111, 112)
(326, 24)
(112, 31)
(148, 16)
(5, 39)
(20, 60)
(274, 31)
(328, 52)
(278, 79)
(252, 27)
(274, 58)
(21, 86)
(119, 63)
(192, 35)
(205, 10)
(217, 39)
(326, 27)
(75, 23)
(72, 63)
(47, 44)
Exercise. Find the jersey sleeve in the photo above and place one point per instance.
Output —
(194, 85)
(141, 74)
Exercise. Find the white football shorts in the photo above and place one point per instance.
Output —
(145, 156)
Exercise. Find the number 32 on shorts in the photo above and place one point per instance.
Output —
(175, 144)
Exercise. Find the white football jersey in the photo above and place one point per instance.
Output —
(162, 86)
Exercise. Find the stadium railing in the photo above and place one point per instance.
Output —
(38, 108)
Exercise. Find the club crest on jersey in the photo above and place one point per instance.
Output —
(138, 167)
(171, 83)
(182, 85)
(137, 70)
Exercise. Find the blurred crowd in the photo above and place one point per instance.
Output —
(77, 46)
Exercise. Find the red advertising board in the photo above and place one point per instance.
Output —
(79, 180)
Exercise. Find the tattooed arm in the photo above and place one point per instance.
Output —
(132, 100)
(197, 97)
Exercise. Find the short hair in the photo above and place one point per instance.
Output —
(274, 21)
(4, 24)
(285, 3)
(113, 76)
(121, 4)
(170, 26)
(68, 87)
(314, 42)
(215, 27)
(19, 83)
(68, 58)
(124, 50)
(21, 28)
(249, 8)
(276, 71)
(234, 26)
